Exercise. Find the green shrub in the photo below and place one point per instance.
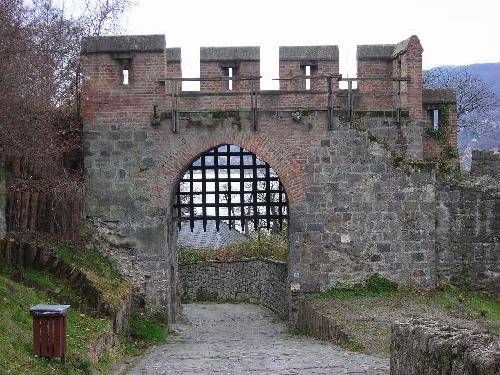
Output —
(378, 284)
(261, 245)
(450, 152)
(374, 286)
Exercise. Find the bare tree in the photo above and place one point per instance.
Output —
(40, 49)
(474, 96)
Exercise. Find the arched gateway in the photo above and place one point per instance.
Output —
(352, 211)
(230, 206)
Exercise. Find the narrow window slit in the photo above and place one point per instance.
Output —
(308, 74)
(435, 119)
(230, 75)
(125, 74)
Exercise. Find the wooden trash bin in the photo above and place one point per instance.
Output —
(49, 330)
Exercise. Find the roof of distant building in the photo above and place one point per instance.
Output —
(209, 239)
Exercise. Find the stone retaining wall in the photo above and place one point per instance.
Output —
(308, 318)
(26, 255)
(254, 280)
(427, 347)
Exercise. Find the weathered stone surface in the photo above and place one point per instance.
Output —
(173, 54)
(243, 339)
(438, 96)
(468, 237)
(309, 53)
(305, 316)
(485, 163)
(123, 43)
(253, 280)
(375, 51)
(229, 53)
(428, 347)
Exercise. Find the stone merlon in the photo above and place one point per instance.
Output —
(229, 53)
(123, 43)
(375, 52)
(173, 54)
(295, 53)
(385, 51)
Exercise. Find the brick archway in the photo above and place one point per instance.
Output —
(284, 159)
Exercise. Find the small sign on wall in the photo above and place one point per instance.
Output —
(296, 275)
(295, 287)
(344, 238)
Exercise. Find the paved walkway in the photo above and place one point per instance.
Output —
(241, 339)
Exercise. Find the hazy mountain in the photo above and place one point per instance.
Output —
(487, 136)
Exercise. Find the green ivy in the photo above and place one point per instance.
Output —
(437, 134)
(450, 152)
(445, 114)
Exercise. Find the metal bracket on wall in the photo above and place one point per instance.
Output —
(398, 103)
(349, 99)
(173, 87)
(330, 103)
(254, 111)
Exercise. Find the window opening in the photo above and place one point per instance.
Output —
(230, 75)
(308, 74)
(435, 119)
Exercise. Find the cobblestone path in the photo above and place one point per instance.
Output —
(241, 339)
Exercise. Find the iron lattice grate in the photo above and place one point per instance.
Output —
(231, 184)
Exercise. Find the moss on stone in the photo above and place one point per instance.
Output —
(219, 115)
(100, 272)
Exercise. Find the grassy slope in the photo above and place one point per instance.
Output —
(16, 356)
(367, 311)
(100, 271)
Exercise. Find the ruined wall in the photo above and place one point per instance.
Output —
(427, 347)
(467, 236)
(485, 163)
(255, 280)
(352, 212)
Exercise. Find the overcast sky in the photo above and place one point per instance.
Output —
(450, 32)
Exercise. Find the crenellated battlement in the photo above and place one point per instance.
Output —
(140, 76)
(301, 68)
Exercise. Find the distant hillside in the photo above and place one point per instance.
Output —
(486, 137)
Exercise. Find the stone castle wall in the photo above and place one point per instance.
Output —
(256, 281)
(468, 237)
(353, 212)
(485, 163)
(424, 347)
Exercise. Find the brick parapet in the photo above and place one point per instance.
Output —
(323, 61)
